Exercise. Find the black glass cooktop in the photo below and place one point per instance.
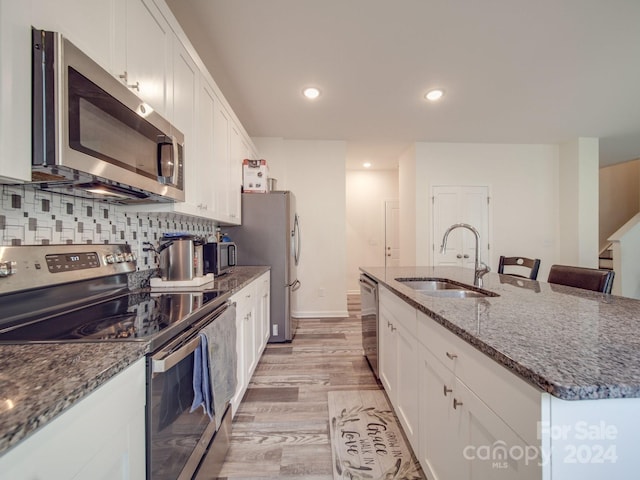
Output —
(131, 316)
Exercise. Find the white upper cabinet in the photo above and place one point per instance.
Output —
(186, 86)
(15, 90)
(140, 43)
(148, 61)
(221, 160)
(240, 150)
(204, 188)
(186, 81)
(90, 25)
(228, 167)
(131, 39)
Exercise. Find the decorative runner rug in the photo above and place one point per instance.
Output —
(367, 440)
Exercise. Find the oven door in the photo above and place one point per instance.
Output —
(177, 439)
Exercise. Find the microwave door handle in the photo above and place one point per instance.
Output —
(167, 147)
(177, 156)
(233, 261)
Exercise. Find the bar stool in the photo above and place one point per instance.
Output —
(533, 264)
(581, 277)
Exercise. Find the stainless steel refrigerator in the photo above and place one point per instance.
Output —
(270, 235)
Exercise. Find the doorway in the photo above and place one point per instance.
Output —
(391, 233)
(460, 204)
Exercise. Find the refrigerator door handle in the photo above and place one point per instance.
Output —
(295, 234)
(295, 285)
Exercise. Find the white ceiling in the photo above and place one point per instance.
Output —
(514, 71)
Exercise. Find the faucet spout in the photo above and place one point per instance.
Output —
(480, 268)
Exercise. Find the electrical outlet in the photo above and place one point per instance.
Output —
(274, 329)
(321, 292)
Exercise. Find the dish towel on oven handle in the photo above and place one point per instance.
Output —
(223, 360)
(202, 378)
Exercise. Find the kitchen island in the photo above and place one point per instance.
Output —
(41, 381)
(558, 367)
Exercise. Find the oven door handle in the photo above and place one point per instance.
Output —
(161, 365)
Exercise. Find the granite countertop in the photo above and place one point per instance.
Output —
(39, 381)
(572, 343)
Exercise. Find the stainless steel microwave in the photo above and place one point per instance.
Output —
(219, 258)
(92, 136)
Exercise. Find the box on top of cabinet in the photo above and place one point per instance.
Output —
(254, 176)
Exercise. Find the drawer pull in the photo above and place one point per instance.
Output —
(452, 356)
(456, 403)
(447, 390)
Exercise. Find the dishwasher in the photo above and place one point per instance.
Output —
(369, 315)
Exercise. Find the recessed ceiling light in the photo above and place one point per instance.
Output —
(311, 93)
(434, 95)
(366, 164)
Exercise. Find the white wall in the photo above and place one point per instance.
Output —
(525, 188)
(408, 185)
(578, 177)
(365, 210)
(523, 184)
(315, 172)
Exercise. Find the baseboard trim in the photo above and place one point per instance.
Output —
(322, 314)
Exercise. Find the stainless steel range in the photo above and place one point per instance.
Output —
(80, 293)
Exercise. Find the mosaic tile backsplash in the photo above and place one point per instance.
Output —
(29, 216)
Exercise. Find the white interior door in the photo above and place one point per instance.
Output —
(460, 204)
(391, 233)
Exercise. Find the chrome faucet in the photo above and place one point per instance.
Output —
(480, 267)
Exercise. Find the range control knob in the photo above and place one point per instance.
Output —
(110, 258)
(8, 268)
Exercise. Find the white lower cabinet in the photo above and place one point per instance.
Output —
(398, 367)
(249, 332)
(466, 417)
(440, 452)
(102, 437)
(461, 437)
(263, 313)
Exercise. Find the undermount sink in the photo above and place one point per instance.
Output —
(439, 287)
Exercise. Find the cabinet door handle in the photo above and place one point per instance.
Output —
(125, 79)
(456, 403)
(393, 329)
(452, 356)
(465, 256)
(447, 390)
(458, 256)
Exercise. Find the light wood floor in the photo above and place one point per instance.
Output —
(281, 429)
